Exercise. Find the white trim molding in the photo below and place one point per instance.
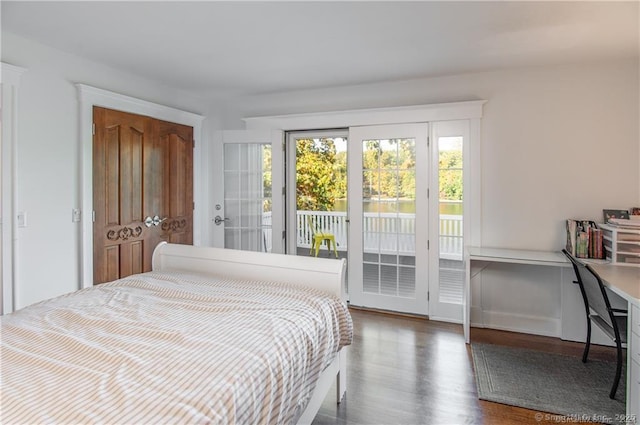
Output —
(378, 116)
(11, 76)
(88, 97)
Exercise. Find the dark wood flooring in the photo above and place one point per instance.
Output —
(406, 370)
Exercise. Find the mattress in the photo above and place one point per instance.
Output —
(169, 347)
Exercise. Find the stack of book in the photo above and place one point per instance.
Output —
(584, 239)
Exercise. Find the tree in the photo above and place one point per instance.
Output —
(267, 185)
(389, 169)
(340, 170)
(388, 172)
(317, 181)
(450, 175)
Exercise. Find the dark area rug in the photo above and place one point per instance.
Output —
(550, 383)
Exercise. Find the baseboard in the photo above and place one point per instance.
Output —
(445, 320)
(536, 325)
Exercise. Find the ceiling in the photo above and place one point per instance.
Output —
(213, 48)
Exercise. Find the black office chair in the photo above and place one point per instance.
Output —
(613, 321)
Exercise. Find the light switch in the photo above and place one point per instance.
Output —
(75, 215)
(22, 219)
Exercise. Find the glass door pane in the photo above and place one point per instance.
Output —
(389, 223)
(449, 150)
(450, 212)
(248, 197)
(388, 205)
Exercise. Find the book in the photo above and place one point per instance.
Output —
(596, 243)
(584, 239)
(582, 245)
(572, 229)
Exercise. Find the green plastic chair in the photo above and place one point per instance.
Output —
(317, 238)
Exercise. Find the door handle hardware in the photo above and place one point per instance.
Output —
(153, 221)
(157, 220)
(219, 220)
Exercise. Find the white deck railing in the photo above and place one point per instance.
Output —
(386, 232)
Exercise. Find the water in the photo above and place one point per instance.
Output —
(402, 205)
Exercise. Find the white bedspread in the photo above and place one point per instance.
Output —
(169, 348)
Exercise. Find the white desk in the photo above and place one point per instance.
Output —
(501, 255)
(625, 281)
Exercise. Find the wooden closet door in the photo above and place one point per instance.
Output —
(133, 177)
(177, 200)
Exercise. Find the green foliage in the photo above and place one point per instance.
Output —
(388, 172)
(317, 173)
(450, 175)
(389, 169)
(267, 191)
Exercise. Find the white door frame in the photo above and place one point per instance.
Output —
(9, 168)
(290, 205)
(88, 97)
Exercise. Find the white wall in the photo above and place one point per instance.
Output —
(48, 187)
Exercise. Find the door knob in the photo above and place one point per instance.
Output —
(219, 220)
(153, 221)
(157, 220)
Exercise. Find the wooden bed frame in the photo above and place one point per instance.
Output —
(320, 273)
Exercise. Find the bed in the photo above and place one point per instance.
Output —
(208, 336)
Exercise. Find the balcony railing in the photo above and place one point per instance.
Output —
(385, 232)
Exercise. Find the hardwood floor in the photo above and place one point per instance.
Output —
(406, 370)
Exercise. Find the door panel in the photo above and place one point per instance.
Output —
(247, 196)
(142, 169)
(176, 142)
(449, 150)
(118, 195)
(247, 184)
(389, 215)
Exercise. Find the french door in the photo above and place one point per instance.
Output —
(406, 221)
(248, 203)
(389, 216)
(450, 176)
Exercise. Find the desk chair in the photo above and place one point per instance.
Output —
(613, 321)
(317, 238)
